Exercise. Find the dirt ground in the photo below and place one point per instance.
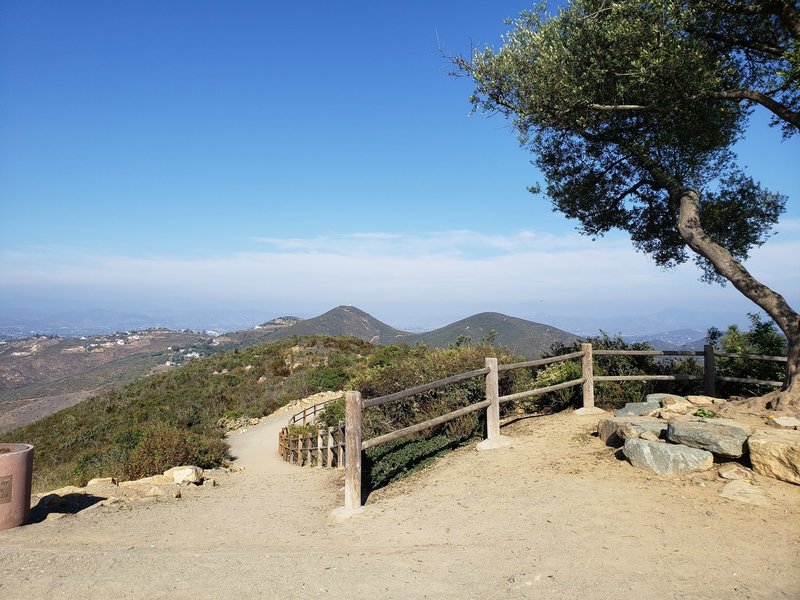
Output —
(555, 516)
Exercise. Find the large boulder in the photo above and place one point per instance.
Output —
(666, 459)
(611, 430)
(723, 437)
(776, 453)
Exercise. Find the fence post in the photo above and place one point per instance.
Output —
(340, 446)
(588, 376)
(709, 371)
(330, 448)
(493, 394)
(493, 437)
(352, 429)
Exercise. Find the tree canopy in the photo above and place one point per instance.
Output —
(632, 109)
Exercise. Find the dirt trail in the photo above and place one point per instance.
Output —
(553, 516)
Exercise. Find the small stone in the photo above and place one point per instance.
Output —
(609, 429)
(784, 422)
(628, 432)
(650, 436)
(55, 516)
(168, 491)
(102, 481)
(209, 482)
(681, 407)
(701, 400)
(743, 491)
(734, 471)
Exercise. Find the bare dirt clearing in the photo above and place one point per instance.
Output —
(553, 516)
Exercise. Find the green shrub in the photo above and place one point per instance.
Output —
(163, 447)
(762, 338)
(391, 461)
(113, 434)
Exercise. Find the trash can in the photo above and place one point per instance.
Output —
(16, 470)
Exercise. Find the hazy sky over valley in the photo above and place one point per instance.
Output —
(290, 158)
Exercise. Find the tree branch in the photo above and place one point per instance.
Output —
(778, 109)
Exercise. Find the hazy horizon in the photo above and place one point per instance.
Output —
(280, 159)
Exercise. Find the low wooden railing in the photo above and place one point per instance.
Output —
(342, 447)
(321, 448)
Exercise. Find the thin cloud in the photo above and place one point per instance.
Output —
(468, 268)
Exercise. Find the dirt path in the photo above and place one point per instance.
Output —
(553, 516)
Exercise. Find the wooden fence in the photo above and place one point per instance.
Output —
(320, 448)
(343, 446)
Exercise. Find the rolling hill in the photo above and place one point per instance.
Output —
(50, 372)
(520, 336)
(342, 320)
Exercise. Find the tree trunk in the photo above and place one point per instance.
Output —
(772, 303)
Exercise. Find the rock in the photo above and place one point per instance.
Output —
(147, 481)
(682, 407)
(744, 491)
(589, 410)
(170, 491)
(628, 432)
(702, 400)
(609, 429)
(659, 398)
(650, 436)
(784, 422)
(776, 453)
(188, 473)
(666, 459)
(102, 481)
(734, 471)
(209, 482)
(637, 409)
(723, 437)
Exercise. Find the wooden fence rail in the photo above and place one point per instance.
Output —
(342, 446)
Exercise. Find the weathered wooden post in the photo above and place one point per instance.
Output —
(709, 371)
(493, 437)
(588, 376)
(300, 450)
(352, 429)
(329, 463)
(340, 446)
(320, 464)
(493, 395)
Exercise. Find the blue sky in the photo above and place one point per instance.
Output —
(289, 158)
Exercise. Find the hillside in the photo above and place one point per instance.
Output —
(520, 336)
(344, 321)
(43, 374)
(259, 334)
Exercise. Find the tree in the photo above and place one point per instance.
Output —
(632, 108)
(761, 339)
